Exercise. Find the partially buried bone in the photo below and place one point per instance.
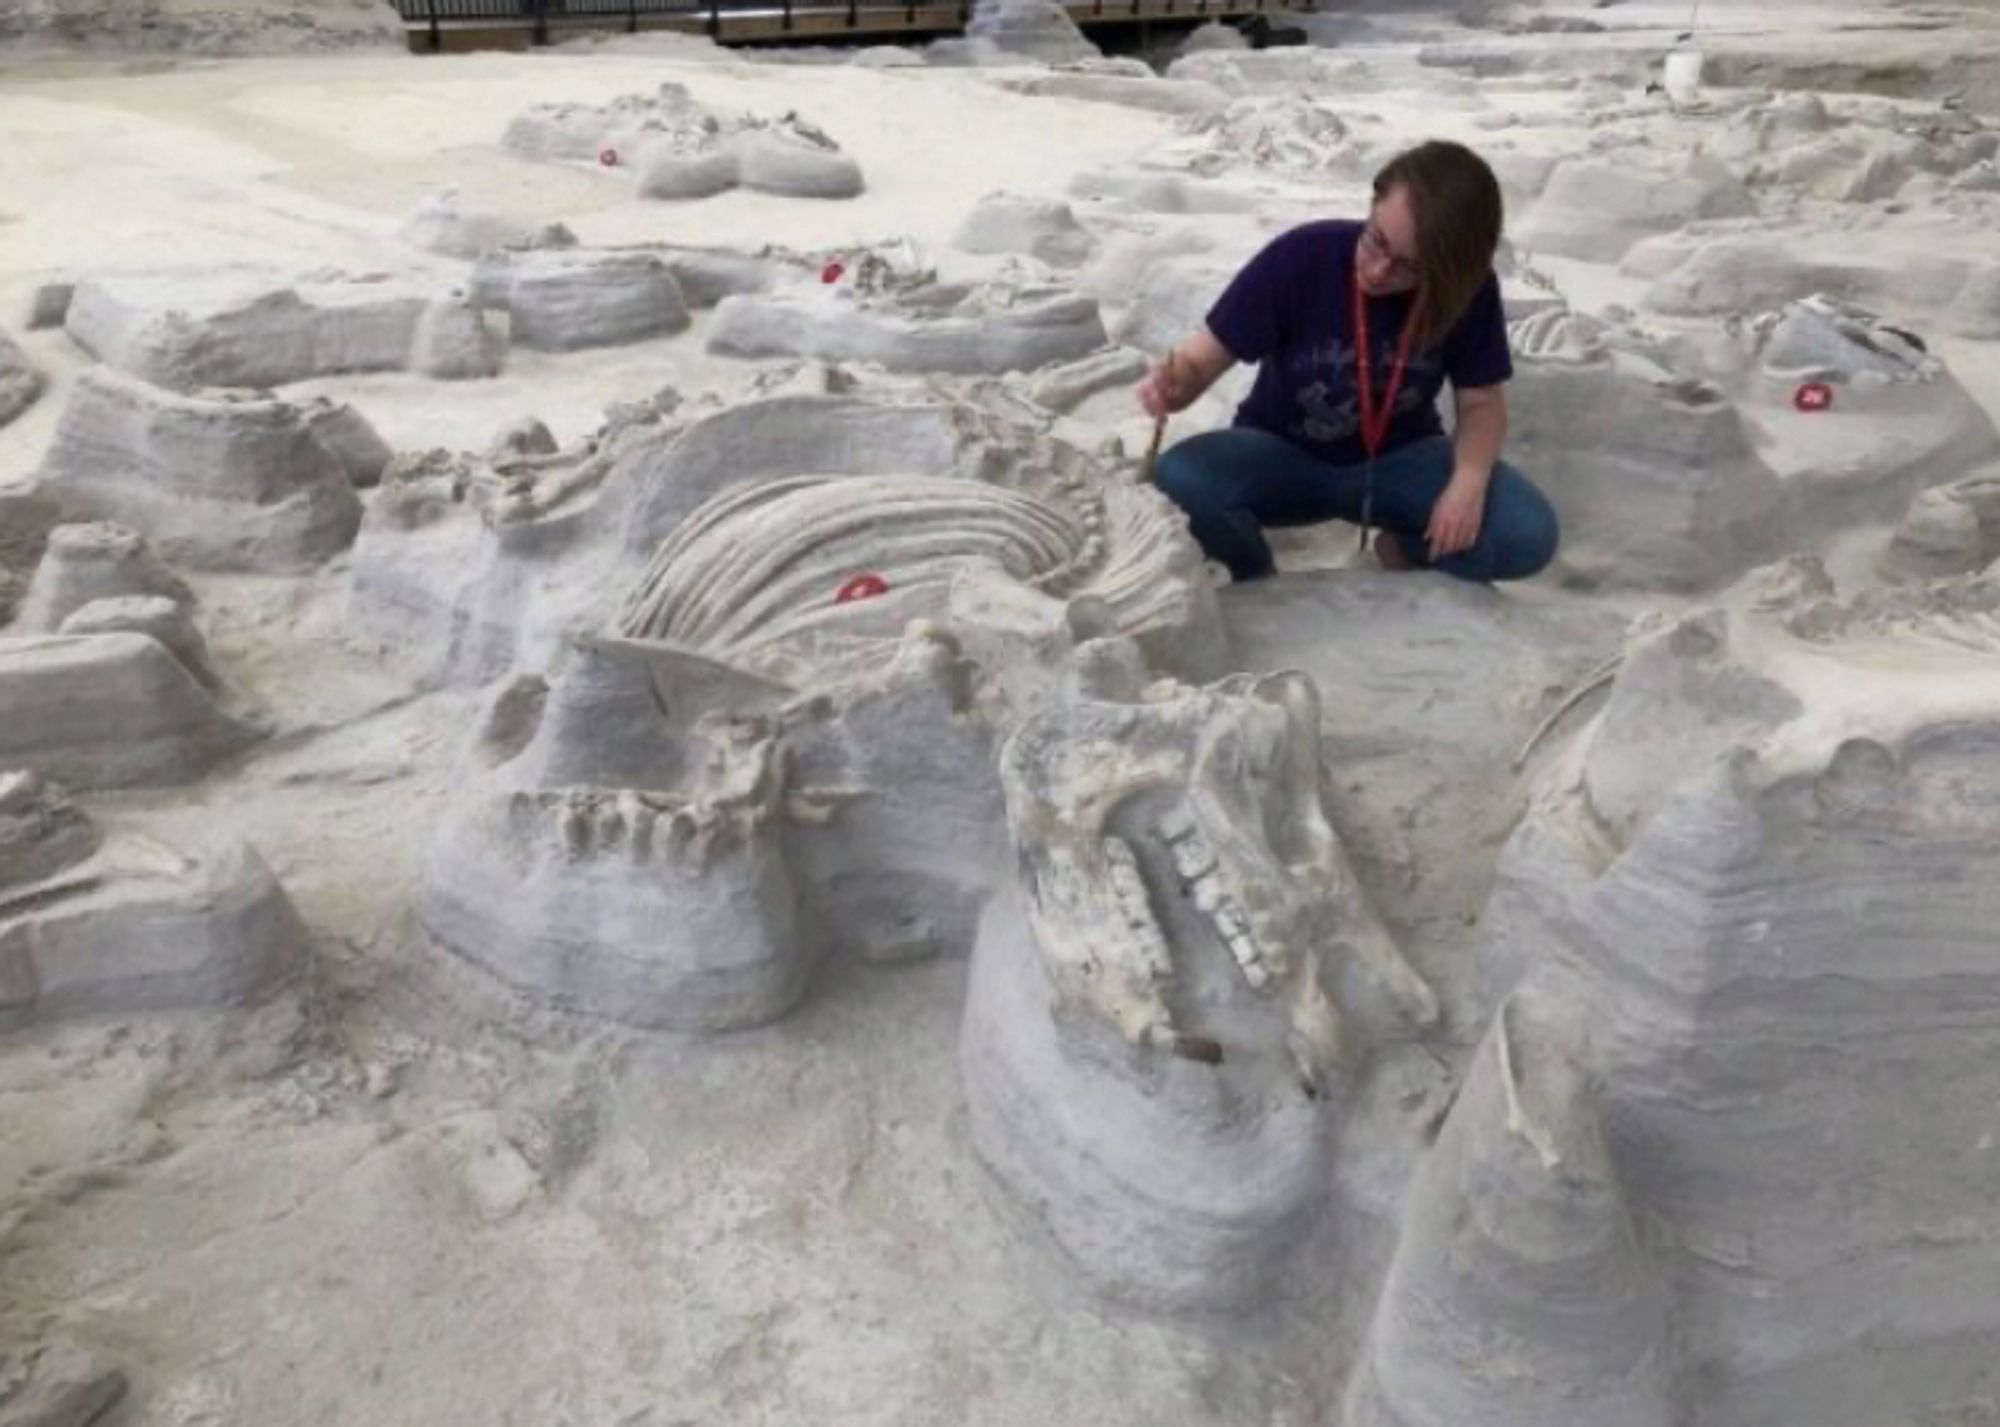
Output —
(1245, 829)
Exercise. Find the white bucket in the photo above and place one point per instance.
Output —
(1683, 79)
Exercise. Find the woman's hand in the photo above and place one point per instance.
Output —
(1461, 510)
(1189, 370)
(1169, 388)
(1458, 514)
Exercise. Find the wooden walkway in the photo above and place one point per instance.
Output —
(458, 25)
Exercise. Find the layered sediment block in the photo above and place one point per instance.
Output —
(1756, 879)
(96, 923)
(683, 149)
(249, 327)
(108, 711)
(1018, 332)
(224, 480)
(21, 381)
(568, 300)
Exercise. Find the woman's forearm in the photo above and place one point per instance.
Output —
(1202, 360)
(1482, 431)
(1186, 372)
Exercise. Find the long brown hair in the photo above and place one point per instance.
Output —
(1455, 206)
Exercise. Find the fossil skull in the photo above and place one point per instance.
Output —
(1225, 784)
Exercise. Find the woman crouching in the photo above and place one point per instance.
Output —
(1355, 328)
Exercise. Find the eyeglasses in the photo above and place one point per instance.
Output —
(1376, 244)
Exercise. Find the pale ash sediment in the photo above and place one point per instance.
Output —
(107, 679)
(579, 738)
(231, 480)
(97, 923)
(1755, 853)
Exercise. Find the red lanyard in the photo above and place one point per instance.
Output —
(1375, 423)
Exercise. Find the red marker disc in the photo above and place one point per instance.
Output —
(1813, 396)
(831, 273)
(861, 587)
(608, 157)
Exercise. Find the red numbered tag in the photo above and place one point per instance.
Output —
(831, 273)
(1813, 396)
(608, 157)
(861, 587)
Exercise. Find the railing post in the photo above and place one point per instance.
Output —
(437, 39)
(631, 17)
(853, 14)
(786, 24)
(541, 21)
(715, 20)
(910, 14)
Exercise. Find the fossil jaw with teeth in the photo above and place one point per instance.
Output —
(686, 827)
(1145, 1004)
(1196, 861)
(1245, 830)
(644, 848)
(659, 907)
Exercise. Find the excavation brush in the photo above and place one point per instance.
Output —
(1159, 429)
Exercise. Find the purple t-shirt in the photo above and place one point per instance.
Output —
(1291, 311)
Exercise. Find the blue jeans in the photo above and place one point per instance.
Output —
(1236, 482)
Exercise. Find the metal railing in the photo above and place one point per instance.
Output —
(535, 15)
(538, 17)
